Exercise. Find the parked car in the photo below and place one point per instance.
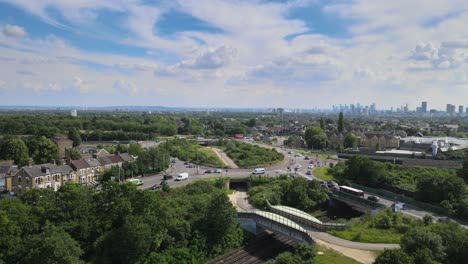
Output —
(208, 171)
(297, 166)
(258, 171)
(290, 152)
(167, 177)
(218, 171)
(373, 198)
(311, 166)
(186, 163)
(182, 176)
(298, 155)
(308, 172)
(307, 158)
(191, 166)
(445, 220)
(156, 186)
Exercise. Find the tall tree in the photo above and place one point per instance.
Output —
(315, 137)
(15, 149)
(420, 239)
(74, 135)
(45, 150)
(350, 141)
(340, 122)
(322, 123)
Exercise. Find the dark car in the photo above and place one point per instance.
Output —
(208, 171)
(333, 185)
(156, 186)
(446, 220)
(186, 163)
(167, 177)
(191, 166)
(307, 158)
(373, 198)
(308, 172)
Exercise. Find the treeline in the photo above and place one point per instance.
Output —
(444, 188)
(298, 193)
(118, 224)
(248, 155)
(190, 150)
(21, 150)
(429, 244)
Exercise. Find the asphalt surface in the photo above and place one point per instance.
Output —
(290, 162)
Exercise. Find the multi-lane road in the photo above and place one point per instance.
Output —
(290, 162)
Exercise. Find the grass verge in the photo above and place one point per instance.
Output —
(323, 174)
(332, 256)
(364, 232)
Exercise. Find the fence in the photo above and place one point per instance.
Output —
(401, 198)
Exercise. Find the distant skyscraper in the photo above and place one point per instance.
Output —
(460, 109)
(424, 107)
(279, 112)
(450, 109)
(73, 112)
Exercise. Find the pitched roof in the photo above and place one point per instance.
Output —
(105, 160)
(79, 164)
(39, 170)
(115, 158)
(126, 157)
(92, 162)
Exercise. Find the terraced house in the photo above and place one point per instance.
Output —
(87, 170)
(41, 176)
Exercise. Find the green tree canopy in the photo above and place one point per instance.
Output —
(350, 141)
(422, 238)
(15, 149)
(45, 150)
(315, 137)
(53, 245)
(394, 256)
(463, 172)
(340, 122)
(74, 135)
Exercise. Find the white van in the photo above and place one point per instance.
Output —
(258, 171)
(182, 177)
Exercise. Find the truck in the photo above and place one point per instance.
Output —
(182, 176)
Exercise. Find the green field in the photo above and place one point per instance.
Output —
(323, 174)
(332, 256)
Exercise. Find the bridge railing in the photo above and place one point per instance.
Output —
(346, 196)
(279, 220)
(292, 215)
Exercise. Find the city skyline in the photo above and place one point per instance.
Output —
(293, 54)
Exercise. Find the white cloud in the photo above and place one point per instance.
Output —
(13, 31)
(211, 58)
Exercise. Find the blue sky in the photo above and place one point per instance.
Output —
(234, 53)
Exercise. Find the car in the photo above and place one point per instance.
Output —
(297, 166)
(298, 155)
(311, 162)
(307, 158)
(186, 163)
(445, 220)
(373, 198)
(174, 161)
(308, 179)
(191, 166)
(156, 186)
(290, 152)
(167, 177)
(308, 172)
(136, 182)
(218, 171)
(208, 171)
(311, 166)
(333, 185)
(258, 171)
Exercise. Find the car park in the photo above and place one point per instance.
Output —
(373, 198)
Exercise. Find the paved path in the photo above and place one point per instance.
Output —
(226, 160)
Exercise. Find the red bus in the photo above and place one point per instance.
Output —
(352, 191)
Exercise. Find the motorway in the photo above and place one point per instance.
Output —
(290, 161)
